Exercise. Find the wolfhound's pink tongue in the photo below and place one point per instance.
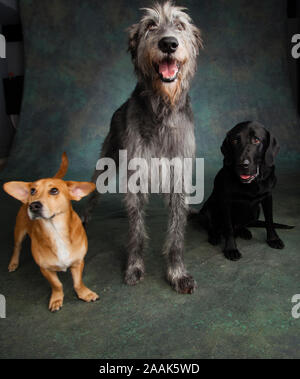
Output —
(168, 69)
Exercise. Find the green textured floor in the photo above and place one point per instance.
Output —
(240, 310)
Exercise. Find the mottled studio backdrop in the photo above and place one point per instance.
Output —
(78, 72)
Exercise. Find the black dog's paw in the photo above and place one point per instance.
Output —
(232, 254)
(185, 285)
(276, 244)
(245, 234)
(214, 239)
(133, 276)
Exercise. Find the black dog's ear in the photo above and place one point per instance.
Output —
(272, 150)
(133, 32)
(227, 151)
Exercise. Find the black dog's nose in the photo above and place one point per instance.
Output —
(245, 163)
(168, 45)
(36, 206)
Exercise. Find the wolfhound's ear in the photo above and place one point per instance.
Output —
(133, 39)
(198, 37)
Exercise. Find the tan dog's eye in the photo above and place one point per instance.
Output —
(32, 191)
(54, 191)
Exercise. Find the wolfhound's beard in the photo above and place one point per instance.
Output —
(163, 75)
(170, 92)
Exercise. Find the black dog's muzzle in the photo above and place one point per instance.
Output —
(249, 178)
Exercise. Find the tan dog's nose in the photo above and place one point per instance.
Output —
(36, 206)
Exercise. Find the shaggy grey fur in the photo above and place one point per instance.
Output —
(157, 121)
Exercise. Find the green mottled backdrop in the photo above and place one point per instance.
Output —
(78, 72)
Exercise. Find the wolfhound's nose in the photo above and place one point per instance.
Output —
(168, 45)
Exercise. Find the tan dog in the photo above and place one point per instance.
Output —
(58, 239)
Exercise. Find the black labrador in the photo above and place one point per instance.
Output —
(243, 184)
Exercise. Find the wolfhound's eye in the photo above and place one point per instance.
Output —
(255, 140)
(152, 26)
(180, 26)
(54, 191)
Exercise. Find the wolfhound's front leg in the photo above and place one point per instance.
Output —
(177, 274)
(135, 270)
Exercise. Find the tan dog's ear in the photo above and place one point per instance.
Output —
(78, 190)
(18, 190)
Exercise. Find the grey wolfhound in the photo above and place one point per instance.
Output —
(157, 121)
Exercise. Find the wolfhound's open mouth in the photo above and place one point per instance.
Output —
(168, 70)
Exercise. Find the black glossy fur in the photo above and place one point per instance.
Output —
(249, 150)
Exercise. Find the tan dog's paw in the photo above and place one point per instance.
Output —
(87, 295)
(55, 304)
(13, 266)
(92, 296)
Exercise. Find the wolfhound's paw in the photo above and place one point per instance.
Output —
(133, 276)
(276, 244)
(185, 285)
(232, 254)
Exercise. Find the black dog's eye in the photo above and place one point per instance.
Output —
(32, 191)
(54, 191)
(151, 26)
(255, 140)
(235, 141)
